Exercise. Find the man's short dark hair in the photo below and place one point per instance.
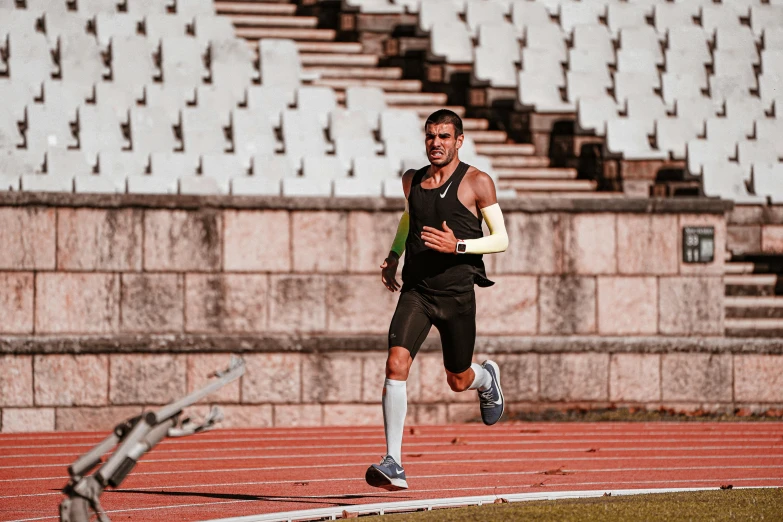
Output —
(444, 116)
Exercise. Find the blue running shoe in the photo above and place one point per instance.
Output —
(491, 400)
(387, 475)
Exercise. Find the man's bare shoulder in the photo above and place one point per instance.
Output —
(478, 179)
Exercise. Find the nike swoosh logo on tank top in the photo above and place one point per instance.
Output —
(447, 189)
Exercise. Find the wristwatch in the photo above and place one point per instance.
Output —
(462, 247)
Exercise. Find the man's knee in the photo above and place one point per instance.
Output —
(398, 364)
(460, 382)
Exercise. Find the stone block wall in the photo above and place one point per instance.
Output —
(114, 303)
(755, 229)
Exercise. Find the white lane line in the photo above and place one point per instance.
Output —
(248, 449)
(597, 456)
(362, 464)
(380, 439)
(541, 495)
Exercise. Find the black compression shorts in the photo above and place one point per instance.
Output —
(453, 315)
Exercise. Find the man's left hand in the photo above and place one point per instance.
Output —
(440, 240)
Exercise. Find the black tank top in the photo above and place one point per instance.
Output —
(431, 271)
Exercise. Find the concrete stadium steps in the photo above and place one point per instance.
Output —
(750, 284)
(754, 307)
(547, 185)
(256, 33)
(511, 174)
(254, 8)
(506, 149)
(260, 20)
(340, 84)
(754, 327)
(325, 47)
(566, 194)
(417, 98)
(523, 162)
(474, 124)
(425, 110)
(358, 73)
(489, 136)
(739, 268)
(339, 59)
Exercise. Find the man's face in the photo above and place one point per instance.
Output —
(441, 143)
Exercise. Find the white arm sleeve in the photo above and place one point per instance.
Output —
(497, 240)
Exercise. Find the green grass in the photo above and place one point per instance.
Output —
(743, 504)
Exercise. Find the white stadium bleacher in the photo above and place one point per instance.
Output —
(160, 96)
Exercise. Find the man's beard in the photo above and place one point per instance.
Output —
(448, 155)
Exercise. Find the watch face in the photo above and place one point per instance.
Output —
(462, 247)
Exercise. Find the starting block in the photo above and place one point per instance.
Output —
(133, 438)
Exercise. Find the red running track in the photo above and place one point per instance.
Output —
(227, 473)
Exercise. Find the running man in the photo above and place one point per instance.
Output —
(440, 233)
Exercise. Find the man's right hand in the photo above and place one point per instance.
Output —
(389, 273)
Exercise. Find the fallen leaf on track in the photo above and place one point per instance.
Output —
(592, 450)
(726, 486)
(414, 455)
(301, 483)
(558, 471)
(349, 514)
(529, 431)
(608, 494)
(415, 431)
(459, 441)
(537, 485)
(501, 501)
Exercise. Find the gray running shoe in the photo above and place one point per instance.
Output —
(387, 475)
(491, 400)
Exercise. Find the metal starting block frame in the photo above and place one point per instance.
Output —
(133, 438)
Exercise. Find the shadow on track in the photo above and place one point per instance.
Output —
(277, 498)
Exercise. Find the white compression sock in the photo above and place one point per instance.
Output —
(395, 407)
(483, 379)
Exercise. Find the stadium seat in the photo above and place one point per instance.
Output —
(144, 7)
(182, 61)
(195, 7)
(767, 181)
(502, 37)
(586, 60)
(255, 186)
(638, 61)
(302, 137)
(667, 16)
(690, 38)
(542, 94)
(203, 131)
(97, 7)
(594, 37)
(627, 84)
(744, 111)
(544, 64)
(683, 62)
(151, 130)
(9, 182)
(548, 38)
(590, 84)
(223, 166)
(252, 133)
(99, 130)
(494, 68)
(753, 152)
(699, 152)
(171, 98)
(369, 101)
(358, 187)
(152, 185)
(158, 27)
(67, 95)
(231, 66)
(279, 63)
(573, 14)
(80, 59)
(392, 188)
(173, 165)
(451, 40)
(346, 149)
(211, 27)
(739, 39)
(121, 164)
(204, 185)
(48, 128)
(629, 138)
(679, 86)
(67, 163)
(725, 132)
(770, 87)
(348, 124)
(772, 131)
(93, 184)
(115, 25)
(29, 58)
(644, 38)
(646, 109)
(63, 24)
(306, 187)
(270, 100)
(695, 110)
(374, 168)
(401, 126)
(773, 38)
(18, 162)
(219, 101)
(132, 65)
(479, 12)
(52, 6)
(316, 101)
(374, 6)
(433, 11)
(714, 16)
(529, 14)
(724, 87)
(764, 17)
(673, 134)
(725, 180)
(46, 183)
(735, 64)
(620, 16)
